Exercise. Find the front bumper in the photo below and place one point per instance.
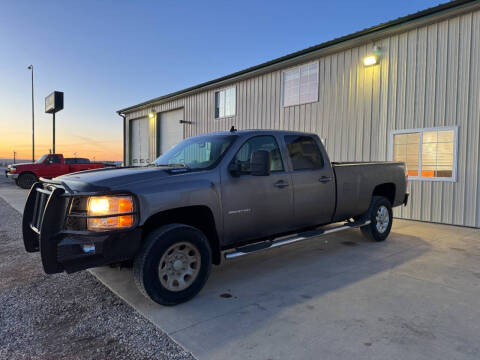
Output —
(43, 229)
(11, 176)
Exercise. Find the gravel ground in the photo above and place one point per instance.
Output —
(66, 316)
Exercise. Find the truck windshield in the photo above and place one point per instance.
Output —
(42, 159)
(202, 152)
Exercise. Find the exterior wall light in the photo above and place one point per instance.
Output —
(374, 58)
(151, 114)
(370, 60)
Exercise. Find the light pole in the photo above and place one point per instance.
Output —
(30, 67)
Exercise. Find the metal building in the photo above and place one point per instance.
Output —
(408, 90)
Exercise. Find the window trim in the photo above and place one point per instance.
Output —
(256, 136)
(421, 131)
(317, 62)
(225, 88)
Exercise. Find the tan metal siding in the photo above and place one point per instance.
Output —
(427, 77)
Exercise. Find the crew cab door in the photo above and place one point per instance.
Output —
(256, 206)
(313, 181)
(52, 167)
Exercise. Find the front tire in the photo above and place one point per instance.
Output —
(173, 264)
(25, 181)
(381, 217)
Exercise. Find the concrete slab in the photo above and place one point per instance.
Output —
(415, 296)
(11, 193)
(340, 296)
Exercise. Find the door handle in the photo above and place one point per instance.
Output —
(324, 179)
(281, 184)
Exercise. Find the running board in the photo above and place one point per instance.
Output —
(250, 249)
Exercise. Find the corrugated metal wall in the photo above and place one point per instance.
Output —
(427, 77)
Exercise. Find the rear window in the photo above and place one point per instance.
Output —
(304, 152)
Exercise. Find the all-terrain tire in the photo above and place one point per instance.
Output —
(25, 181)
(154, 279)
(381, 217)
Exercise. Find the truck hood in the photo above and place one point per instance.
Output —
(112, 178)
(23, 164)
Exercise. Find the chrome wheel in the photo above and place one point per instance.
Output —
(179, 266)
(383, 219)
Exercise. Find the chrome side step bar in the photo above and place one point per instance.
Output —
(250, 249)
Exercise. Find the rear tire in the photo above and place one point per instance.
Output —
(173, 264)
(25, 181)
(381, 217)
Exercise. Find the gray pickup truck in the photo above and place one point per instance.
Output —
(210, 198)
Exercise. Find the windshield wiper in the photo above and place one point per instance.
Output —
(183, 165)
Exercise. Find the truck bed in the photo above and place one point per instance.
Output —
(356, 181)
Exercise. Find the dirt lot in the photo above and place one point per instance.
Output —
(66, 317)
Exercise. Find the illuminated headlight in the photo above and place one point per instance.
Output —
(110, 212)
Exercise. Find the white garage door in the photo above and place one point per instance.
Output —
(139, 142)
(170, 129)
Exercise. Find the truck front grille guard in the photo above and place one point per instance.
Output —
(46, 212)
(40, 224)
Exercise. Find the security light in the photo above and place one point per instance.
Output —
(374, 58)
(370, 60)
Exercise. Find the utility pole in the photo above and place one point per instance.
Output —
(54, 133)
(30, 67)
(14, 156)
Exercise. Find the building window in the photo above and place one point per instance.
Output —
(429, 154)
(300, 84)
(225, 102)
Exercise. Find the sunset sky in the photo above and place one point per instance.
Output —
(106, 55)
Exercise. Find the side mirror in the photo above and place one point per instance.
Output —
(234, 169)
(260, 163)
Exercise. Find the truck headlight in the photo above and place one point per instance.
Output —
(110, 212)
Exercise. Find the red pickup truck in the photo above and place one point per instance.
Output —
(48, 166)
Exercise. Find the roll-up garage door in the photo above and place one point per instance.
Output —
(170, 130)
(139, 142)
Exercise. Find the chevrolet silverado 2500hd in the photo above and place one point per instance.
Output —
(211, 197)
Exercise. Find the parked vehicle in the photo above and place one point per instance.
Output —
(48, 166)
(211, 197)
